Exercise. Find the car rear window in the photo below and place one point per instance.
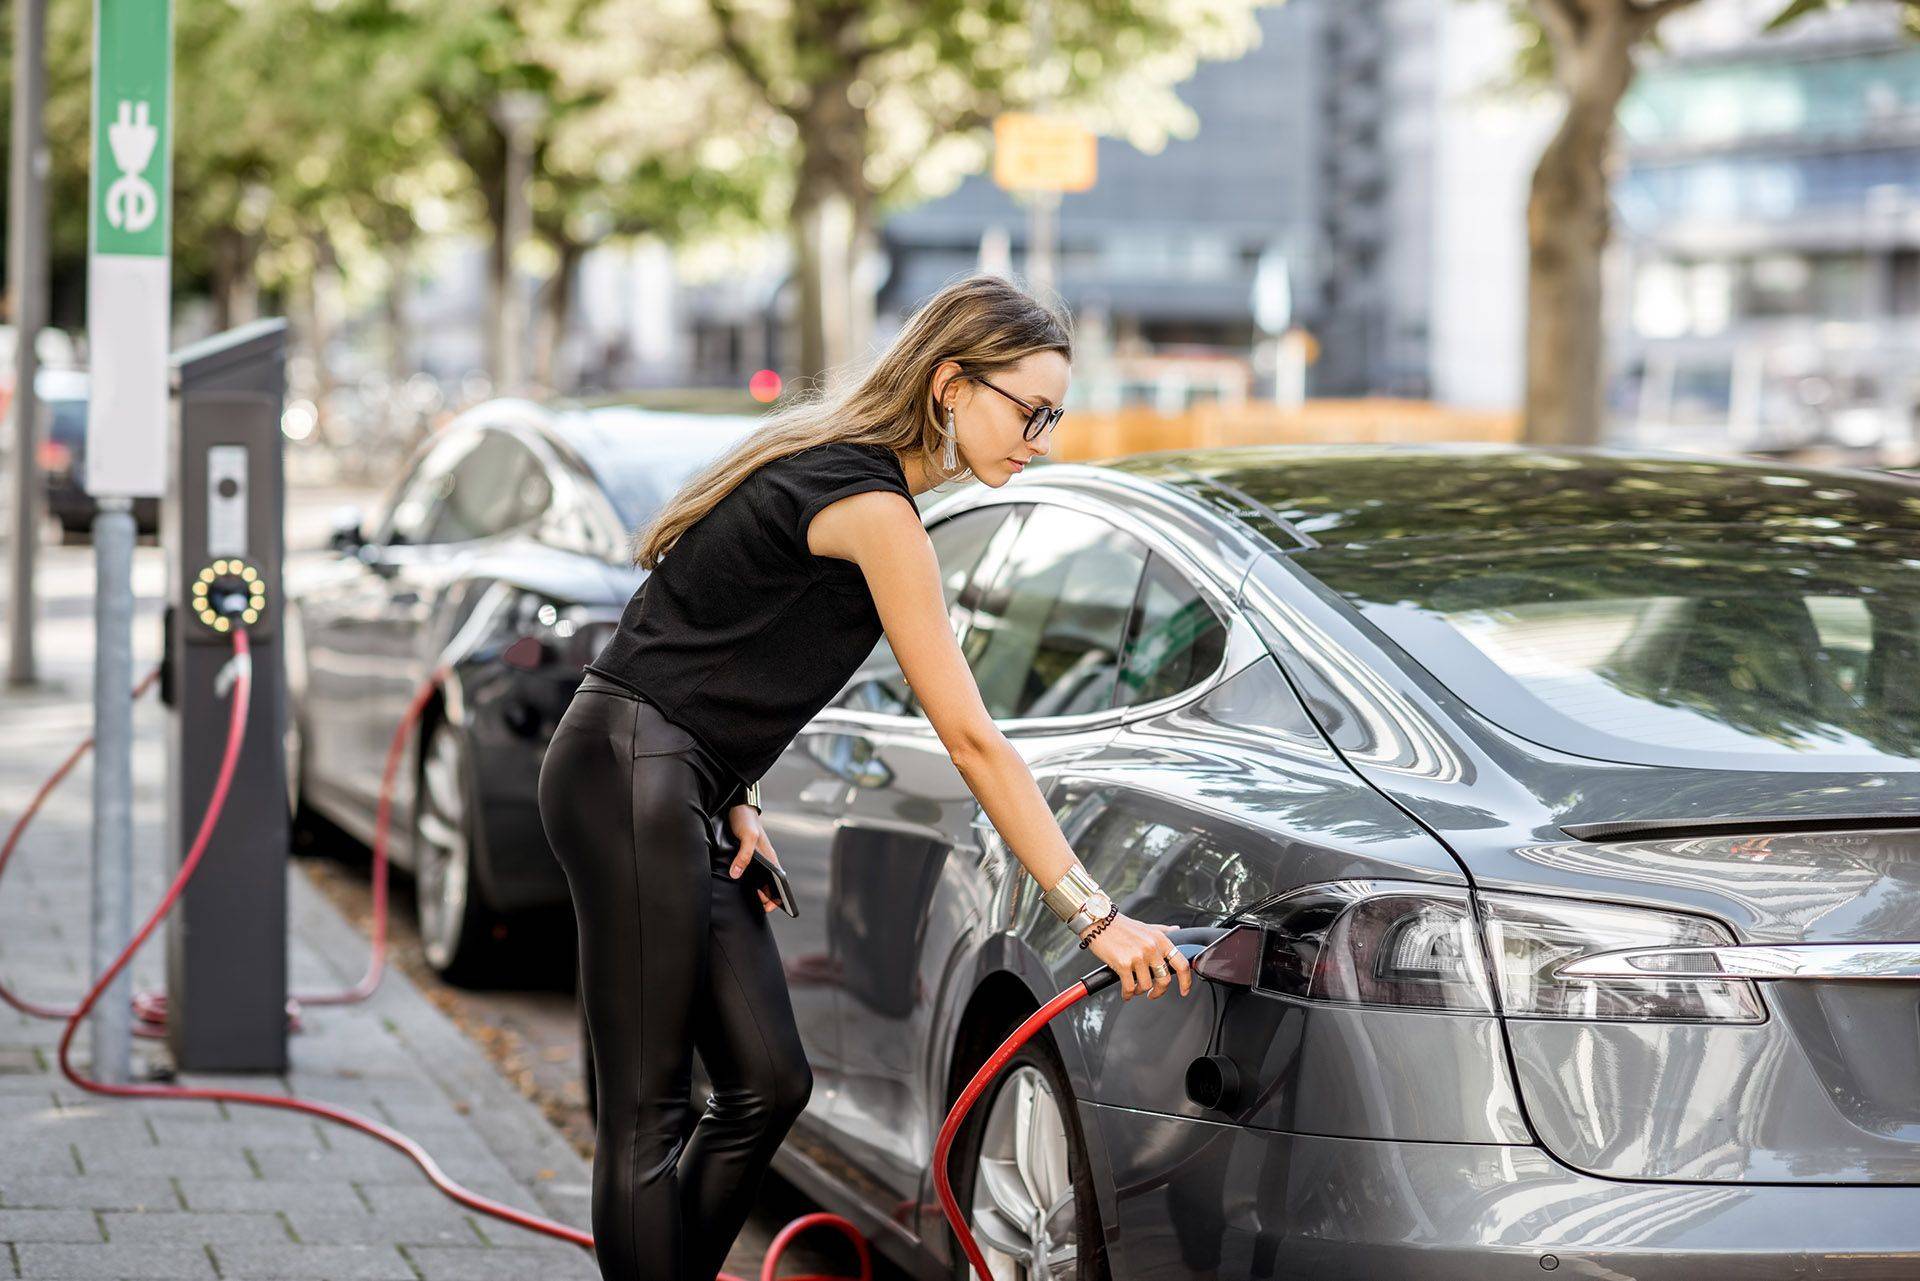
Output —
(1744, 650)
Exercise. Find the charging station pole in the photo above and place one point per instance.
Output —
(128, 317)
(224, 515)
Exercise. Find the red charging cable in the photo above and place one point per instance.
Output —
(150, 1008)
(223, 780)
(1067, 998)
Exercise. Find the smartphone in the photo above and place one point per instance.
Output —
(766, 874)
(760, 873)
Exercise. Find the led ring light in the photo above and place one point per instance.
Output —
(249, 580)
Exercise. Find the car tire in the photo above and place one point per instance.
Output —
(456, 922)
(307, 831)
(1033, 1080)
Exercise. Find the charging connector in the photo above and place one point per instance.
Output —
(229, 592)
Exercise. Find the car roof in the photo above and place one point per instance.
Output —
(1357, 495)
(600, 432)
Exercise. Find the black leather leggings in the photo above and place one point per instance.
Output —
(675, 955)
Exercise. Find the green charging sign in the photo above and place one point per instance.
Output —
(133, 55)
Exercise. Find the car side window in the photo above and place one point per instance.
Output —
(417, 505)
(1174, 639)
(879, 685)
(499, 485)
(1046, 638)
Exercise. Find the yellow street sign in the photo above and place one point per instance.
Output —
(1041, 153)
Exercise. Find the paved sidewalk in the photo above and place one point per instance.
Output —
(102, 1188)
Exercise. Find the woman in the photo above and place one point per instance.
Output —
(774, 573)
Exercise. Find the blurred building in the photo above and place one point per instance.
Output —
(1334, 147)
(1766, 274)
(1357, 148)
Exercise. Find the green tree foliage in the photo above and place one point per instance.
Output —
(883, 103)
(1586, 49)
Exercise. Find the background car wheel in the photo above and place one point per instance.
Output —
(456, 923)
(307, 832)
(1020, 1173)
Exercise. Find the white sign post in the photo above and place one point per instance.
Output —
(128, 281)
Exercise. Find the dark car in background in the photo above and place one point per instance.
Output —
(63, 454)
(501, 549)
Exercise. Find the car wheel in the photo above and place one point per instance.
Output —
(456, 924)
(1022, 1177)
(304, 827)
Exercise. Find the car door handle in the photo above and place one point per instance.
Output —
(406, 598)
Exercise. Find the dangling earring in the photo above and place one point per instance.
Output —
(948, 458)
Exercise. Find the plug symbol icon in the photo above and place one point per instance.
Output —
(132, 203)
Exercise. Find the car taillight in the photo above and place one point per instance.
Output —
(1529, 936)
(1375, 943)
(1418, 946)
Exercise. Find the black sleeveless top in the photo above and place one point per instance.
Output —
(740, 633)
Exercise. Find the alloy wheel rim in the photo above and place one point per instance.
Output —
(1023, 1211)
(442, 876)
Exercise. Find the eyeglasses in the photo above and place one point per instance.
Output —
(1039, 417)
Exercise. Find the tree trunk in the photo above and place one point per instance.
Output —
(829, 204)
(401, 366)
(556, 300)
(1568, 225)
(323, 290)
(236, 294)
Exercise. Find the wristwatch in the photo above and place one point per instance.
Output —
(1076, 899)
(1096, 906)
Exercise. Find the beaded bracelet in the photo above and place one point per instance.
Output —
(1099, 925)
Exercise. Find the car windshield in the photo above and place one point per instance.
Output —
(642, 459)
(1659, 641)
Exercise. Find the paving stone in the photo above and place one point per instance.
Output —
(49, 1225)
(313, 1263)
(27, 1160)
(450, 1226)
(187, 1227)
(269, 1194)
(380, 1164)
(95, 1192)
(557, 1262)
(196, 1161)
(46, 1261)
(254, 1130)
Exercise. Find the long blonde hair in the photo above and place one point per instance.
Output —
(984, 322)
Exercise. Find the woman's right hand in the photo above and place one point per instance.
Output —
(1129, 947)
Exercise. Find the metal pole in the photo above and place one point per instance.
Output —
(518, 216)
(519, 113)
(27, 275)
(1044, 204)
(110, 1022)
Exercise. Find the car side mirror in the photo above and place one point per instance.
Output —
(345, 535)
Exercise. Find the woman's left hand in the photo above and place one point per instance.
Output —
(745, 821)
